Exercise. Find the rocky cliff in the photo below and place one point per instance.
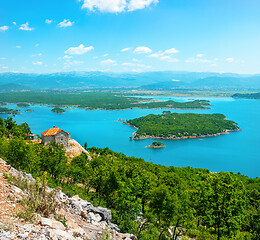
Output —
(74, 218)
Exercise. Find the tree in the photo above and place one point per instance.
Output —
(222, 203)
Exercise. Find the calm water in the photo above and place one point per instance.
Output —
(237, 151)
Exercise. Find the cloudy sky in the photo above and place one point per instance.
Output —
(46, 36)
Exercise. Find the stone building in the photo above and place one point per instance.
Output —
(56, 135)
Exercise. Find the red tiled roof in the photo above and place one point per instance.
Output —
(51, 131)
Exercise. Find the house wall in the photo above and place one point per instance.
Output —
(62, 138)
(47, 139)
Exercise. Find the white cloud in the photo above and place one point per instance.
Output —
(116, 6)
(81, 49)
(171, 51)
(48, 21)
(230, 59)
(4, 28)
(169, 59)
(26, 27)
(18, 46)
(200, 55)
(14, 23)
(105, 55)
(127, 64)
(105, 5)
(108, 62)
(65, 23)
(194, 60)
(37, 45)
(140, 4)
(3, 58)
(37, 63)
(142, 50)
(70, 63)
(125, 49)
(166, 55)
(67, 58)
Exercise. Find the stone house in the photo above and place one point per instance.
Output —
(57, 135)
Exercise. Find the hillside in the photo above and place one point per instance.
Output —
(248, 95)
(145, 199)
(73, 217)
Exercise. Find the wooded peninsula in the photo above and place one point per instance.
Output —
(247, 95)
(181, 126)
(97, 100)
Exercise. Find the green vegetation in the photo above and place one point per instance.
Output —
(247, 95)
(29, 110)
(95, 100)
(156, 145)
(23, 105)
(176, 125)
(145, 199)
(37, 199)
(58, 110)
(9, 111)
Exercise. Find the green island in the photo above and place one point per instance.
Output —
(247, 95)
(23, 105)
(145, 199)
(156, 145)
(181, 126)
(29, 110)
(9, 111)
(97, 100)
(58, 110)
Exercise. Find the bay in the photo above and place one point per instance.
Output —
(237, 151)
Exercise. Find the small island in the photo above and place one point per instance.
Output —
(23, 105)
(58, 110)
(181, 126)
(9, 111)
(29, 110)
(156, 145)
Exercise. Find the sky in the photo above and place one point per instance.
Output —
(47, 36)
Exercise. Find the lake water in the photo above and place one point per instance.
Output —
(237, 151)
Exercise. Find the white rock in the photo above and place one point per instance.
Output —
(57, 234)
(52, 223)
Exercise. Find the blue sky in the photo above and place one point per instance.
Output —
(155, 35)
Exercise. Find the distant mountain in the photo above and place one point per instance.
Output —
(13, 87)
(247, 95)
(166, 80)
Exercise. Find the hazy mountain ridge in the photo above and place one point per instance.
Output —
(165, 80)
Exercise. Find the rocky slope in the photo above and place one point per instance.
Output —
(82, 219)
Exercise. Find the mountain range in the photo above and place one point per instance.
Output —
(165, 80)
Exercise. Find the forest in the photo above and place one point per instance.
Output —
(247, 95)
(148, 200)
(177, 125)
(58, 110)
(95, 100)
(9, 111)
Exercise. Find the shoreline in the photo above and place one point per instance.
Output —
(178, 138)
(116, 109)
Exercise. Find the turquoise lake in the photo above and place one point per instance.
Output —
(237, 151)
